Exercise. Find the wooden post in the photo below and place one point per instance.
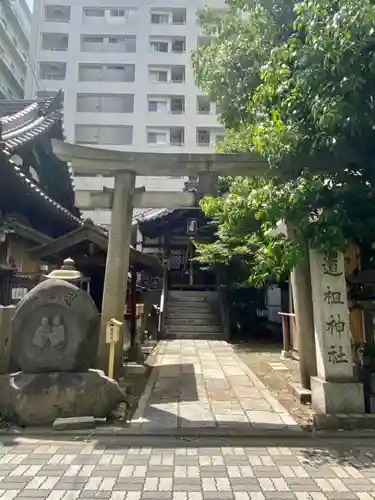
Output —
(286, 334)
(117, 266)
(133, 312)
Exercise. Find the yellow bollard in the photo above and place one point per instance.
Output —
(112, 337)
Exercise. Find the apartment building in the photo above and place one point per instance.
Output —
(124, 67)
(15, 23)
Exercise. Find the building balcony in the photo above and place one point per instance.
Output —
(168, 48)
(105, 135)
(109, 18)
(166, 110)
(23, 27)
(19, 50)
(161, 137)
(160, 16)
(208, 138)
(57, 13)
(113, 44)
(54, 70)
(12, 73)
(55, 42)
(106, 73)
(4, 92)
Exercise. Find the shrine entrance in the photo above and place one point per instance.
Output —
(124, 167)
(173, 236)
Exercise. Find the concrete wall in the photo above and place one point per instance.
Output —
(143, 87)
(15, 22)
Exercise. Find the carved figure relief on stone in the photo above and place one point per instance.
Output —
(50, 334)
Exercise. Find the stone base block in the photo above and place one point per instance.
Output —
(344, 422)
(74, 423)
(40, 398)
(135, 369)
(337, 397)
(303, 395)
(286, 354)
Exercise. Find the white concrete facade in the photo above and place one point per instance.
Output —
(124, 67)
(15, 24)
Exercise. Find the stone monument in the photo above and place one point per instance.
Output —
(334, 390)
(55, 331)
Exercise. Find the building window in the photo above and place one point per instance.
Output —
(55, 42)
(105, 103)
(159, 18)
(159, 46)
(177, 105)
(177, 136)
(127, 15)
(203, 105)
(203, 137)
(106, 73)
(91, 12)
(52, 71)
(178, 45)
(179, 16)
(155, 106)
(157, 138)
(95, 43)
(57, 13)
(121, 135)
(117, 13)
(178, 74)
(158, 76)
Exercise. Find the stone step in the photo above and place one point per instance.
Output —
(192, 296)
(206, 315)
(194, 328)
(190, 306)
(193, 321)
(189, 335)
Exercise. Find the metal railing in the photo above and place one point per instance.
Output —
(163, 301)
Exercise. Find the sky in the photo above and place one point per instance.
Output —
(30, 3)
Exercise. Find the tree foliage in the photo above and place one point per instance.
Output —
(300, 90)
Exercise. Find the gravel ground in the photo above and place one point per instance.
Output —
(259, 356)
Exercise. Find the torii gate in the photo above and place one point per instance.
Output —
(124, 167)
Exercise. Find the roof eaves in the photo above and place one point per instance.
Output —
(34, 188)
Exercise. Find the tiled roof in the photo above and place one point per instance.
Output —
(26, 124)
(152, 214)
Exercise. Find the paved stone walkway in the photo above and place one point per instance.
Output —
(173, 470)
(203, 384)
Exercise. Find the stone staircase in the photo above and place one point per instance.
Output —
(193, 314)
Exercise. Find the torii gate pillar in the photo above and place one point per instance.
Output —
(117, 265)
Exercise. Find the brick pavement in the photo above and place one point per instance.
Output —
(151, 469)
(204, 384)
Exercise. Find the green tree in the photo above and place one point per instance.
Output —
(305, 101)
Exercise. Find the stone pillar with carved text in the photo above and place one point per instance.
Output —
(117, 265)
(334, 389)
